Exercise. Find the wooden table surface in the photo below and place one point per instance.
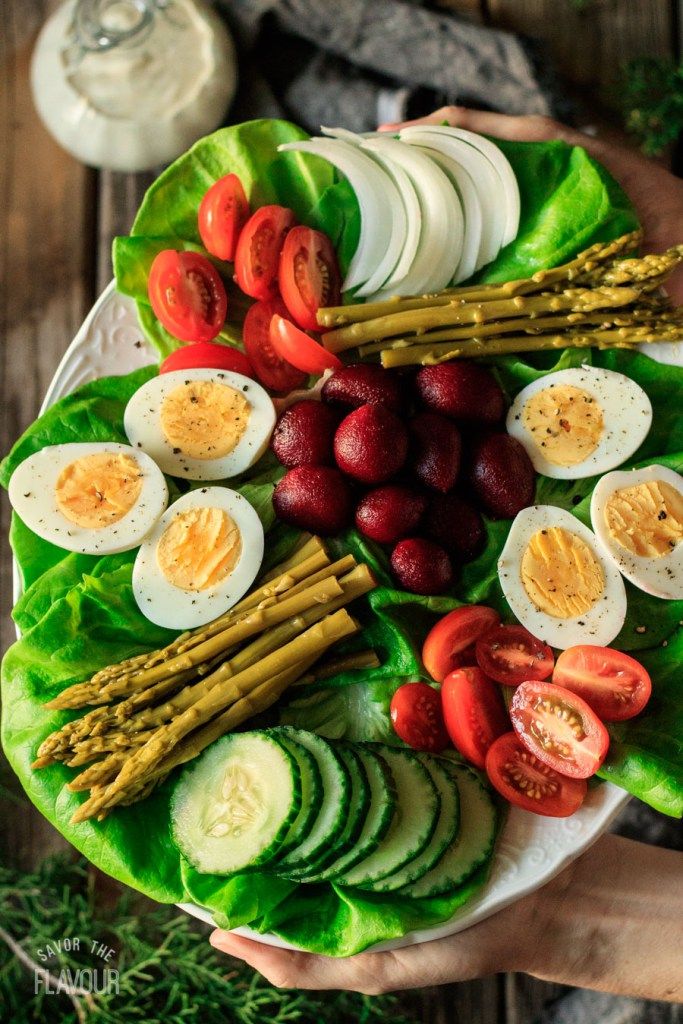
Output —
(57, 219)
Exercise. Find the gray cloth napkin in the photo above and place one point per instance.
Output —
(360, 62)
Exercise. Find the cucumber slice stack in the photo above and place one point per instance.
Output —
(367, 816)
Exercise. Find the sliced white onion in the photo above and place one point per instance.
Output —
(410, 203)
(383, 222)
(471, 212)
(484, 178)
(503, 169)
(440, 245)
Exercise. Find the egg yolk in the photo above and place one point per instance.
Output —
(199, 548)
(204, 419)
(560, 573)
(98, 490)
(565, 422)
(646, 519)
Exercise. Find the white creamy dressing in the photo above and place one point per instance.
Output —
(142, 102)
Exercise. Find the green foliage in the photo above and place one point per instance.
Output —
(168, 972)
(651, 98)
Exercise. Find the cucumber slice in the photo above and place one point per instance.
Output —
(413, 825)
(358, 809)
(233, 807)
(377, 820)
(474, 842)
(329, 822)
(444, 833)
(311, 793)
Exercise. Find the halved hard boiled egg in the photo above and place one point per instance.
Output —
(637, 516)
(557, 581)
(202, 424)
(96, 498)
(580, 422)
(201, 556)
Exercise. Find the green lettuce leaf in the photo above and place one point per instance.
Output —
(568, 202)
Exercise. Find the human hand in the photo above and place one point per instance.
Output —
(612, 920)
(497, 944)
(656, 194)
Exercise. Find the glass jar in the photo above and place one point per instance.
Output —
(130, 84)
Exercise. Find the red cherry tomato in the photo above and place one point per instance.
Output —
(223, 212)
(559, 728)
(270, 368)
(257, 256)
(511, 655)
(526, 782)
(207, 354)
(187, 295)
(299, 349)
(613, 684)
(447, 641)
(474, 713)
(417, 717)
(309, 275)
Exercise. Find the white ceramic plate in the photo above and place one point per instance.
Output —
(531, 849)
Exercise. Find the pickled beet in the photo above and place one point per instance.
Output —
(502, 475)
(315, 498)
(363, 383)
(435, 450)
(462, 390)
(304, 434)
(456, 525)
(421, 566)
(371, 444)
(388, 513)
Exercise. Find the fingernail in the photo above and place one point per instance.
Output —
(220, 940)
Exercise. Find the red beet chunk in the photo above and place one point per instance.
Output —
(304, 434)
(462, 390)
(436, 446)
(371, 444)
(363, 383)
(502, 475)
(315, 498)
(421, 566)
(456, 525)
(388, 513)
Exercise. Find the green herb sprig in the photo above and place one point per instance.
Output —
(168, 972)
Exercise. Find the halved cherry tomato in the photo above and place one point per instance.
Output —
(223, 212)
(187, 295)
(448, 640)
(309, 275)
(417, 717)
(300, 349)
(207, 354)
(526, 782)
(474, 713)
(257, 256)
(559, 728)
(270, 368)
(511, 655)
(613, 684)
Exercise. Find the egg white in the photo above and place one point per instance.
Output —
(627, 418)
(32, 495)
(142, 423)
(600, 624)
(167, 605)
(661, 577)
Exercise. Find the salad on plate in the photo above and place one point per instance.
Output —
(384, 551)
